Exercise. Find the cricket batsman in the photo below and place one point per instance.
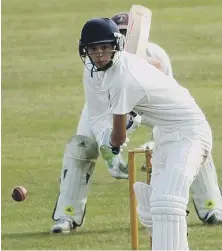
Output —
(182, 135)
(82, 151)
(205, 190)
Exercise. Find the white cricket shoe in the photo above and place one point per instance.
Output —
(64, 225)
(213, 217)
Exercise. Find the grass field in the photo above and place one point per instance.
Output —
(42, 97)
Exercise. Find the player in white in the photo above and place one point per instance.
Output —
(182, 135)
(206, 192)
(81, 153)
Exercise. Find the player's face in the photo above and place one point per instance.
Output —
(100, 54)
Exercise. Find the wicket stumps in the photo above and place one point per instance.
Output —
(132, 198)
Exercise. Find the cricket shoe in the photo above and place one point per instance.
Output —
(64, 225)
(213, 217)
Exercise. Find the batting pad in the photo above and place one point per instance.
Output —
(78, 165)
(205, 189)
(143, 193)
(169, 223)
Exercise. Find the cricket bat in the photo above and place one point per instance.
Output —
(138, 30)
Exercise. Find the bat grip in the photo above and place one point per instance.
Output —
(115, 150)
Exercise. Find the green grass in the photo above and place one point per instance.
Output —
(42, 97)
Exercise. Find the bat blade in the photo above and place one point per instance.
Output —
(138, 30)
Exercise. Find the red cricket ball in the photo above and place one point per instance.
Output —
(19, 193)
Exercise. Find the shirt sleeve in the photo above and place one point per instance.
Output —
(124, 100)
